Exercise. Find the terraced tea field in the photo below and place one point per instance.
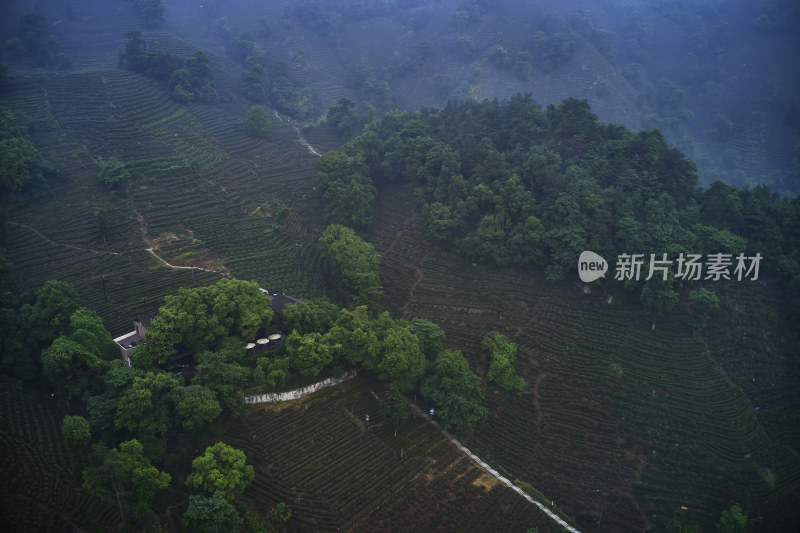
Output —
(619, 424)
(318, 456)
(38, 491)
(199, 182)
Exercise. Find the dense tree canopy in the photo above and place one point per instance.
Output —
(221, 469)
(126, 474)
(211, 515)
(501, 368)
(455, 391)
(515, 184)
(150, 60)
(257, 122)
(357, 263)
(393, 409)
(197, 318)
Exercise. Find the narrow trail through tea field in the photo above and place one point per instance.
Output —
(54, 243)
(310, 389)
(302, 139)
(164, 261)
(544, 508)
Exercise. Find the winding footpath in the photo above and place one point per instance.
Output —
(310, 389)
(302, 139)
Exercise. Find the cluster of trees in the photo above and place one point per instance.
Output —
(188, 80)
(257, 122)
(32, 321)
(514, 184)
(265, 81)
(356, 261)
(23, 170)
(36, 42)
(198, 318)
(503, 354)
(408, 354)
(128, 429)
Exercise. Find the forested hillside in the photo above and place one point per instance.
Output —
(424, 177)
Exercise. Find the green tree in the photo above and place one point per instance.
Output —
(733, 520)
(87, 328)
(401, 361)
(221, 469)
(220, 372)
(393, 409)
(197, 318)
(126, 473)
(313, 316)
(309, 353)
(352, 255)
(193, 82)
(702, 303)
(658, 296)
(71, 367)
(102, 408)
(147, 404)
(456, 392)
(347, 190)
(431, 337)
(113, 173)
(55, 303)
(354, 332)
(257, 122)
(77, 434)
(501, 369)
(21, 164)
(255, 86)
(195, 406)
(211, 515)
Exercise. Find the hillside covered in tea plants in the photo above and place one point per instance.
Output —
(150, 150)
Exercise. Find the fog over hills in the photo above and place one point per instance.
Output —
(719, 78)
(426, 175)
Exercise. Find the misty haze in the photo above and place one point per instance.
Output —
(400, 265)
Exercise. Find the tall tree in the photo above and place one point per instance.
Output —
(455, 391)
(702, 302)
(393, 409)
(430, 337)
(147, 404)
(257, 122)
(501, 369)
(401, 362)
(76, 432)
(71, 367)
(221, 469)
(211, 515)
(309, 353)
(195, 406)
(126, 473)
(352, 255)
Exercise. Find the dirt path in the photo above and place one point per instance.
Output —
(54, 243)
(302, 139)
